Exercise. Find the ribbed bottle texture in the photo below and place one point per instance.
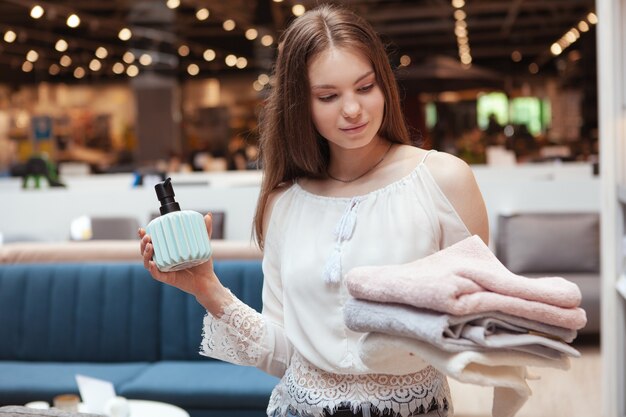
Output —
(180, 240)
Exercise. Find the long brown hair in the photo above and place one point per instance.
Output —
(290, 146)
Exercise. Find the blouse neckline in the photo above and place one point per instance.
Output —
(403, 180)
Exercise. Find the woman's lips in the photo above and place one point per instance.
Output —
(354, 129)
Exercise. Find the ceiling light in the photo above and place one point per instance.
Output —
(459, 14)
(267, 40)
(193, 69)
(570, 36)
(61, 45)
(209, 55)
(125, 34)
(118, 68)
(145, 59)
(65, 61)
(533, 68)
(102, 52)
(516, 56)
(36, 12)
(251, 34)
(460, 32)
(79, 72)
(457, 4)
(583, 26)
(556, 49)
(172, 4)
(32, 56)
(466, 59)
(592, 18)
(202, 14)
(183, 50)
(263, 79)
(278, 1)
(298, 10)
(128, 57)
(95, 65)
(230, 60)
(228, 25)
(27, 66)
(54, 69)
(241, 62)
(132, 71)
(405, 60)
(257, 86)
(10, 36)
(73, 21)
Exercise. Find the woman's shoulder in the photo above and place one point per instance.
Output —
(445, 167)
(456, 180)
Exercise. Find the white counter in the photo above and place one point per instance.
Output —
(46, 214)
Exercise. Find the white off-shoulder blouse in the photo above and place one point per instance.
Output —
(310, 243)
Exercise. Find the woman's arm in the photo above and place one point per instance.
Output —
(233, 331)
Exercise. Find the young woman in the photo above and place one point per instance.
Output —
(342, 188)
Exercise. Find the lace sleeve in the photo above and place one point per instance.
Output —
(238, 336)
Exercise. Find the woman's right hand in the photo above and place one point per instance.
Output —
(199, 281)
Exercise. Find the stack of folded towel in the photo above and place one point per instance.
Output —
(463, 312)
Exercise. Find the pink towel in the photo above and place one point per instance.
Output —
(467, 278)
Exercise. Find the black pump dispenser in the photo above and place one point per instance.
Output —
(165, 194)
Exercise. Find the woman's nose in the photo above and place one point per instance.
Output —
(351, 108)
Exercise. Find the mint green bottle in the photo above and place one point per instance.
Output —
(180, 238)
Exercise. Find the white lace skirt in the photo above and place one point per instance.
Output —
(306, 391)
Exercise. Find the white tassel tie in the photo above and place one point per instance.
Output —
(343, 232)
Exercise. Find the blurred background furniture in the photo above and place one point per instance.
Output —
(562, 244)
(112, 321)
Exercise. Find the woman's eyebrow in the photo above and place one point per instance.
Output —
(323, 86)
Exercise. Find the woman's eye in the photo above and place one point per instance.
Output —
(329, 97)
(366, 88)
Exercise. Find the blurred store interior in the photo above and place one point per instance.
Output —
(179, 84)
(99, 100)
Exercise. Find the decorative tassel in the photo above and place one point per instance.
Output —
(343, 231)
(332, 270)
(347, 223)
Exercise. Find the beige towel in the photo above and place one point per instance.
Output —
(505, 371)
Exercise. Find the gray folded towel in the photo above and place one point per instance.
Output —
(481, 331)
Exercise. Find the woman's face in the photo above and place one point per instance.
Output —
(347, 103)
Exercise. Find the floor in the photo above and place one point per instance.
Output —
(572, 393)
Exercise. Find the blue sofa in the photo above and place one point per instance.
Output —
(113, 321)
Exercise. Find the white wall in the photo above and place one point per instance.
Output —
(46, 214)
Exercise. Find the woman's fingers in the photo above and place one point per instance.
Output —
(208, 220)
(147, 254)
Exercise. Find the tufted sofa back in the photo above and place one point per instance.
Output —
(181, 315)
(110, 312)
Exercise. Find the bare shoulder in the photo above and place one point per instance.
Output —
(448, 170)
(456, 180)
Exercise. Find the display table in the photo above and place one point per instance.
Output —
(145, 408)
